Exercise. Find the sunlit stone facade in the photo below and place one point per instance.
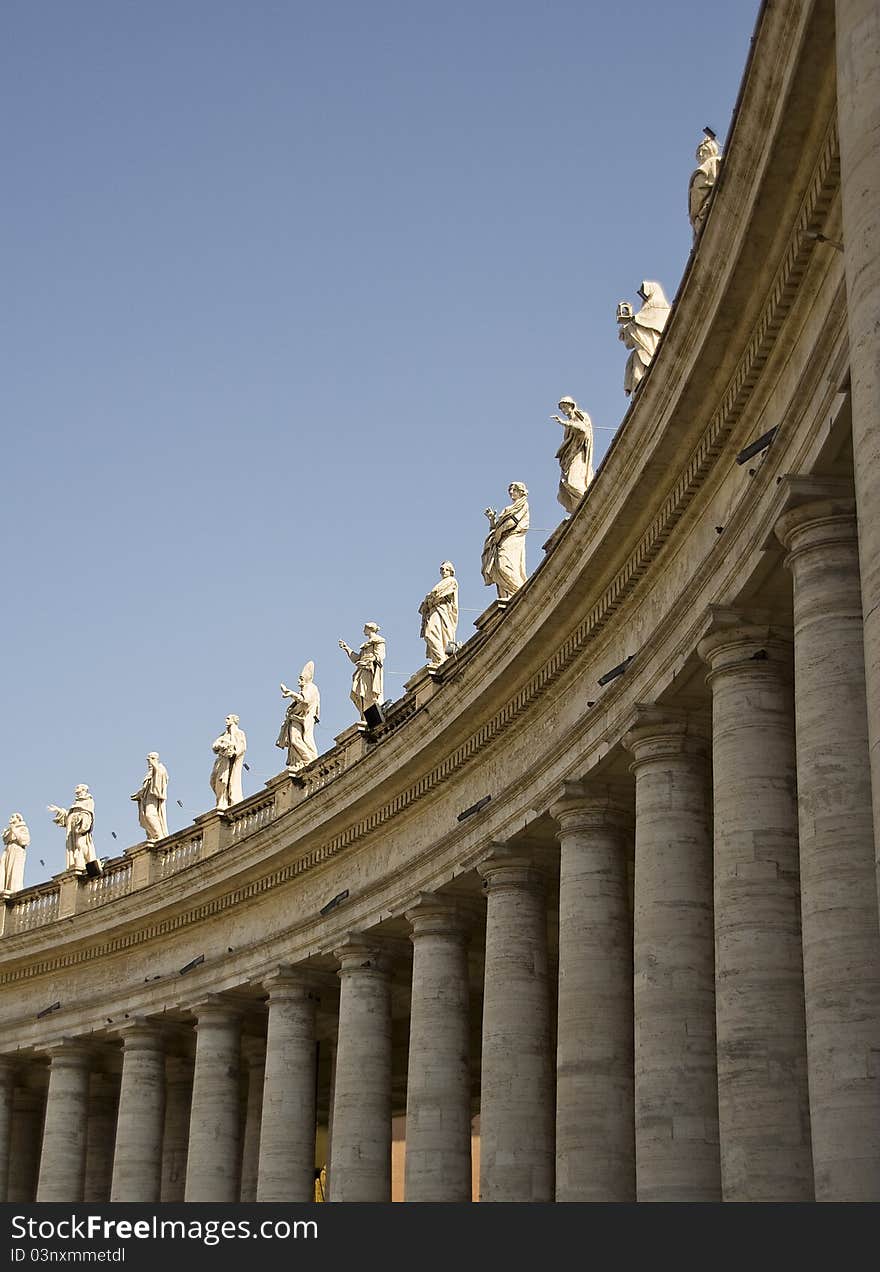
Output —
(648, 967)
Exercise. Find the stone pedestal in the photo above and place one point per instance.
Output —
(438, 1093)
(213, 1160)
(759, 990)
(676, 1088)
(63, 1155)
(516, 1108)
(360, 1161)
(137, 1161)
(175, 1138)
(858, 124)
(594, 1050)
(841, 935)
(101, 1136)
(287, 1139)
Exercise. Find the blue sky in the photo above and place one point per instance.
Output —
(291, 293)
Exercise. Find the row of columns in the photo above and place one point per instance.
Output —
(719, 1042)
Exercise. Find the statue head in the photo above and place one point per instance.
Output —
(153, 758)
(567, 405)
(447, 569)
(81, 791)
(16, 819)
(307, 675)
(707, 149)
(370, 628)
(231, 720)
(517, 490)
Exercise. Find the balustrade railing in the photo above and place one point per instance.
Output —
(250, 819)
(114, 882)
(180, 855)
(33, 910)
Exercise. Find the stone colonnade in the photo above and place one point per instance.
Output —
(713, 1036)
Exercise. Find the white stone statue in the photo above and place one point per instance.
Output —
(298, 730)
(641, 332)
(16, 838)
(439, 611)
(504, 551)
(226, 773)
(151, 800)
(703, 180)
(575, 455)
(369, 661)
(79, 821)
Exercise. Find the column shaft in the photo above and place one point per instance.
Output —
(517, 1089)
(137, 1162)
(7, 1094)
(761, 1032)
(175, 1135)
(858, 123)
(594, 1049)
(841, 934)
(254, 1052)
(676, 1087)
(213, 1159)
(63, 1155)
(360, 1165)
(101, 1136)
(438, 1093)
(287, 1139)
(24, 1153)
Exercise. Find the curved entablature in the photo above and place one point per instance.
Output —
(695, 407)
(636, 703)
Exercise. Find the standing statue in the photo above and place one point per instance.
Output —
(79, 821)
(16, 838)
(703, 179)
(369, 661)
(504, 552)
(226, 773)
(151, 800)
(575, 455)
(641, 332)
(439, 611)
(298, 730)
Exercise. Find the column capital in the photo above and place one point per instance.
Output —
(287, 981)
(663, 733)
(592, 805)
(70, 1053)
(141, 1034)
(359, 954)
(216, 1010)
(511, 866)
(815, 514)
(743, 641)
(433, 914)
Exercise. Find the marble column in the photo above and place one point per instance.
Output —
(24, 1154)
(287, 1140)
(254, 1052)
(841, 935)
(517, 1087)
(63, 1155)
(137, 1161)
(759, 991)
(175, 1135)
(438, 1092)
(858, 124)
(595, 1137)
(676, 1086)
(360, 1162)
(331, 1098)
(7, 1094)
(101, 1136)
(213, 1160)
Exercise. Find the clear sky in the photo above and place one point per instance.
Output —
(291, 292)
